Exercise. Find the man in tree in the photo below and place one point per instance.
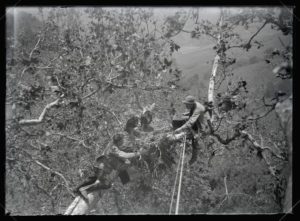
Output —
(112, 163)
(192, 123)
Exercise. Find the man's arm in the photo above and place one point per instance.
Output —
(123, 154)
(192, 120)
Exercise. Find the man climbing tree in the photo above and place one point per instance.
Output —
(193, 124)
(98, 181)
(113, 160)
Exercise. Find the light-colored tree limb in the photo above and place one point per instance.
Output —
(261, 149)
(226, 192)
(211, 86)
(41, 117)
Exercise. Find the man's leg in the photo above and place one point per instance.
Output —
(89, 181)
(195, 150)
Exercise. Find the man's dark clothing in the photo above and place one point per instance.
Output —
(193, 120)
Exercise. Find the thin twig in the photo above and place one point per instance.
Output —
(263, 115)
(35, 48)
(59, 83)
(71, 138)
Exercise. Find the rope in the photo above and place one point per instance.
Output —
(180, 178)
(177, 172)
(181, 159)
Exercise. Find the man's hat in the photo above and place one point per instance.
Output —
(189, 100)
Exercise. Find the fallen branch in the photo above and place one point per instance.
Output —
(226, 192)
(41, 117)
(91, 94)
(72, 138)
(57, 173)
(261, 149)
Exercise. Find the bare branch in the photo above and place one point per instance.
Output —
(263, 115)
(219, 138)
(25, 69)
(46, 67)
(57, 173)
(267, 105)
(225, 184)
(35, 48)
(226, 192)
(91, 94)
(72, 138)
(256, 33)
(261, 149)
(246, 45)
(59, 83)
(41, 117)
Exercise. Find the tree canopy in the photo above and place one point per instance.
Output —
(76, 75)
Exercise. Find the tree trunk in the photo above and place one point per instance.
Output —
(80, 207)
(211, 86)
(285, 112)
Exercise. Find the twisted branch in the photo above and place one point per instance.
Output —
(41, 117)
(261, 149)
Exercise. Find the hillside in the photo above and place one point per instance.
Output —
(195, 58)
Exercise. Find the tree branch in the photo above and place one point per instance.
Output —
(35, 48)
(261, 149)
(57, 173)
(246, 45)
(41, 117)
(72, 138)
(219, 138)
(212, 79)
(91, 94)
(256, 33)
(226, 192)
(263, 115)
